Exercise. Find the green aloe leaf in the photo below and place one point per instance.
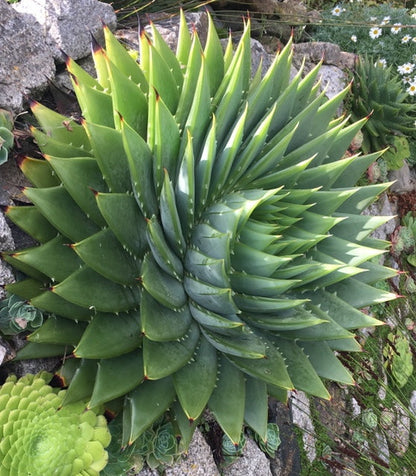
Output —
(195, 382)
(256, 406)
(227, 402)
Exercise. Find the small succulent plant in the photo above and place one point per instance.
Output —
(201, 237)
(16, 315)
(378, 92)
(272, 442)
(6, 134)
(40, 437)
(399, 358)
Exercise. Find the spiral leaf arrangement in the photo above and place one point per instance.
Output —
(201, 238)
(40, 438)
(379, 92)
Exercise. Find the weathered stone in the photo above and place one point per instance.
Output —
(197, 462)
(68, 24)
(405, 179)
(396, 423)
(252, 461)
(383, 207)
(382, 446)
(332, 80)
(25, 61)
(301, 417)
(6, 243)
(317, 51)
(288, 458)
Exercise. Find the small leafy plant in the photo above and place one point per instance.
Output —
(16, 315)
(378, 91)
(6, 134)
(201, 236)
(41, 437)
(399, 358)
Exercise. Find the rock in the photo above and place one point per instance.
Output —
(396, 423)
(301, 417)
(314, 52)
(25, 62)
(332, 80)
(6, 243)
(405, 179)
(252, 462)
(412, 403)
(68, 24)
(383, 207)
(197, 462)
(287, 461)
(382, 446)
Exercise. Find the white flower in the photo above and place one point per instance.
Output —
(375, 32)
(412, 89)
(336, 11)
(406, 39)
(373, 18)
(381, 63)
(396, 28)
(413, 15)
(385, 20)
(354, 38)
(406, 68)
(406, 79)
(414, 39)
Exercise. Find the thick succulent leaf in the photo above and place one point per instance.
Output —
(32, 350)
(204, 169)
(342, 312)
(140, 165)
(50, 302)
(214, 57)
(164, 358)
(79, 175)
(107, 144)
(360, 295)
(241, 342)
(144, 405)
(116, 377)
(271, 369)
(82, 383)
(183, 426)
(213, 321)
(14, 260)
(160, 323)
(166, 143)
(128, 100)
(57, 206)
(104, 254)
(100, 341)
(205, 268)
(55, 147)
(58, 330)
(89, 289)
(30, 220)
(184, 41)
(97, 105)
(164, 256)
(39, 172)
(362, 198)
(290, 320)
(325, 363)
(26, 288)
(121, 208)
(375, 272)
(227, 401)
(161, 286)
(210, 297)
(261, 304)
(60, 128)
(185, 187)
(170, 217)
(357, 227)
(256, 406)
(195, 382)
(300, 369)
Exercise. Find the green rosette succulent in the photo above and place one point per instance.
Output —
(201, 237)
(379, 92)
(18, 316)
(41, 438)
(6, 134)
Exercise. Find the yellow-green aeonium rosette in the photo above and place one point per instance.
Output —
(40, 437)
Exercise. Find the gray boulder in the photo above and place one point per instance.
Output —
(252, 461)
(25, 61)
(67, 24)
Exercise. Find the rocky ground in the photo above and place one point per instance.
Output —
(28, 58)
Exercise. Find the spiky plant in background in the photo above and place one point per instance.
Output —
(201, 237)
(40, 438)
(379, 92)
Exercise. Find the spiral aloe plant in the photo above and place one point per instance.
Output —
(201, 242)
(40, 438)
(379, 92)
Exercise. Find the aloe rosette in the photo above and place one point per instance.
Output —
(201, 237)
(41, 438)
